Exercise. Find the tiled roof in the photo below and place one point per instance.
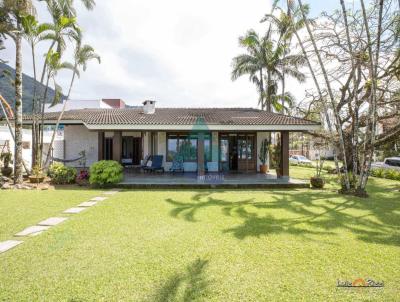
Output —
(177, 116)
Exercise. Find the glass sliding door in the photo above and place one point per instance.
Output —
(237, 152)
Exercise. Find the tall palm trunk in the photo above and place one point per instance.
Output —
(41, 128)
(262, 93)
(34, 119)
(18, 160)
(59, 119)
(331, 96)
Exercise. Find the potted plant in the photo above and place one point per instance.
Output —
(317, 181)
(263, 156)
(37, 175)
(276, 158)
(6, 170)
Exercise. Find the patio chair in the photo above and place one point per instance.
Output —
(156, 164)
(177, 164)
(143, 162)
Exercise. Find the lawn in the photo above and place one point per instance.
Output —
(206, 245)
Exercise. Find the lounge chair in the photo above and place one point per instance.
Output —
(143, 163)
(177, 164)
(156, 164)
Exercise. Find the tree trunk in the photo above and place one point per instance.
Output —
(324, 107)
(34, 120)
(18, 160)
(331, 96)
(354, 139)
(59, 119)
(371, 121)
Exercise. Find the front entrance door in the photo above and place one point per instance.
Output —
(233, 153)
(237, 152)
(131, 150)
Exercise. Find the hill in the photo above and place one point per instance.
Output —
(7, 89)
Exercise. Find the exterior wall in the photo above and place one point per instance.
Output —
(58, 144)
(78, 138)
(260, 137)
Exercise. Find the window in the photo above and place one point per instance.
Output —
(186, 146)
(245, 146)
(393, 162)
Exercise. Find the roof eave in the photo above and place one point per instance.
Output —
(212, 127)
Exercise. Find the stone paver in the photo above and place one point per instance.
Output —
(112, 192)
(74, 210)
(8, 244)
(98, 198)
(87, 204)
(32, 229)
(52, 221)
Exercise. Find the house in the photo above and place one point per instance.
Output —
(86, 104)
(227, 138)
(7, 143)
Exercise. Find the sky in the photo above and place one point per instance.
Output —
(176, 52)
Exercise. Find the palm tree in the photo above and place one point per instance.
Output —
(11, 14)
(267, 62)
(54, 65)
(82, 55)
(33, 34)
(278, 64)
(251, 63)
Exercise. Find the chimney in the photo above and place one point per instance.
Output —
(149, 107)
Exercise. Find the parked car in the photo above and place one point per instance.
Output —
(388, 163)
(299, 160)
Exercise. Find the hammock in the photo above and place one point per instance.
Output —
(67, 160)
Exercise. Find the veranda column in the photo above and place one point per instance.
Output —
(100, 154)
(200, 154)
(117, 146)
(285, 154)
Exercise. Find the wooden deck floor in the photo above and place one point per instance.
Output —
(210, 180)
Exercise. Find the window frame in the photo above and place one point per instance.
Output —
(183, 136)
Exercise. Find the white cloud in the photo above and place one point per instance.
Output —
(178, 52)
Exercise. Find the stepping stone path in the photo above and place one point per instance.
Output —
(32, 230)
(87, 204)
(52, 221)
(9, 244)
(74, 210)
(110, 192)
(99, 198)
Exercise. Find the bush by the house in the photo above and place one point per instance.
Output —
(105, 172)
(61, 174)
(386, 173)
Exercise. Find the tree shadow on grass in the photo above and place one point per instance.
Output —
(190, 285)
(306, 213)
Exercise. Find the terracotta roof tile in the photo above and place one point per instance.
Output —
(177, 116)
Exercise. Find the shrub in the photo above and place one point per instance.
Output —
(385, 173)
(105, 172)
(61, 174)
(391, 174)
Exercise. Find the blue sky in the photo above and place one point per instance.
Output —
(177, 52)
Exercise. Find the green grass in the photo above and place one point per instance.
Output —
(210, 245)
(19, 209)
